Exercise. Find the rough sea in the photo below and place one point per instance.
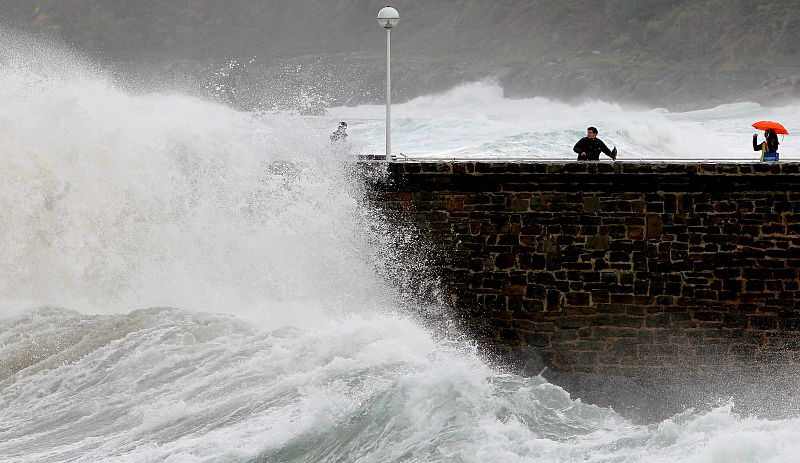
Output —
(183, 282)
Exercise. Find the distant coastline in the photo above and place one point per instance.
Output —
(675, 54)
(313, 83)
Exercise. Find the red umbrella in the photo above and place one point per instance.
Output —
(764, 125)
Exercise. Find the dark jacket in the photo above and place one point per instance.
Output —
(592, 147)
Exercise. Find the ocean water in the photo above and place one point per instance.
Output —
(475, 121)
(182, 282)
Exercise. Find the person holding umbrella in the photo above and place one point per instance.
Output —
(769, 147)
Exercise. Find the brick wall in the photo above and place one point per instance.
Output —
(634, 270)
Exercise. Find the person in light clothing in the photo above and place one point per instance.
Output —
(340, 134)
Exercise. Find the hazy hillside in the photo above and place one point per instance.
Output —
(669, 52)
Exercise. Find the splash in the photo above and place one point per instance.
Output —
(111, 201)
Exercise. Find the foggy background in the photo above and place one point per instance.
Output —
(312, 54)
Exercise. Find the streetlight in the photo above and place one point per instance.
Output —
(388, 18)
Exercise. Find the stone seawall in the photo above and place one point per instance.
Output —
(650, 272)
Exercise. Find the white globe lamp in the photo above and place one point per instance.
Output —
(388, 17)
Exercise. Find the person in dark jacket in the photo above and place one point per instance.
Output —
(769, 147)
(589, 147)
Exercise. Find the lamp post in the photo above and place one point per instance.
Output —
(388, 18)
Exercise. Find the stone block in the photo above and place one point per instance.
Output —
(514, 290)
(578, 298)
(554, 301)
(533, 305)
(598, 242)
(571, 323)
(654, 226)
(591, 204)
